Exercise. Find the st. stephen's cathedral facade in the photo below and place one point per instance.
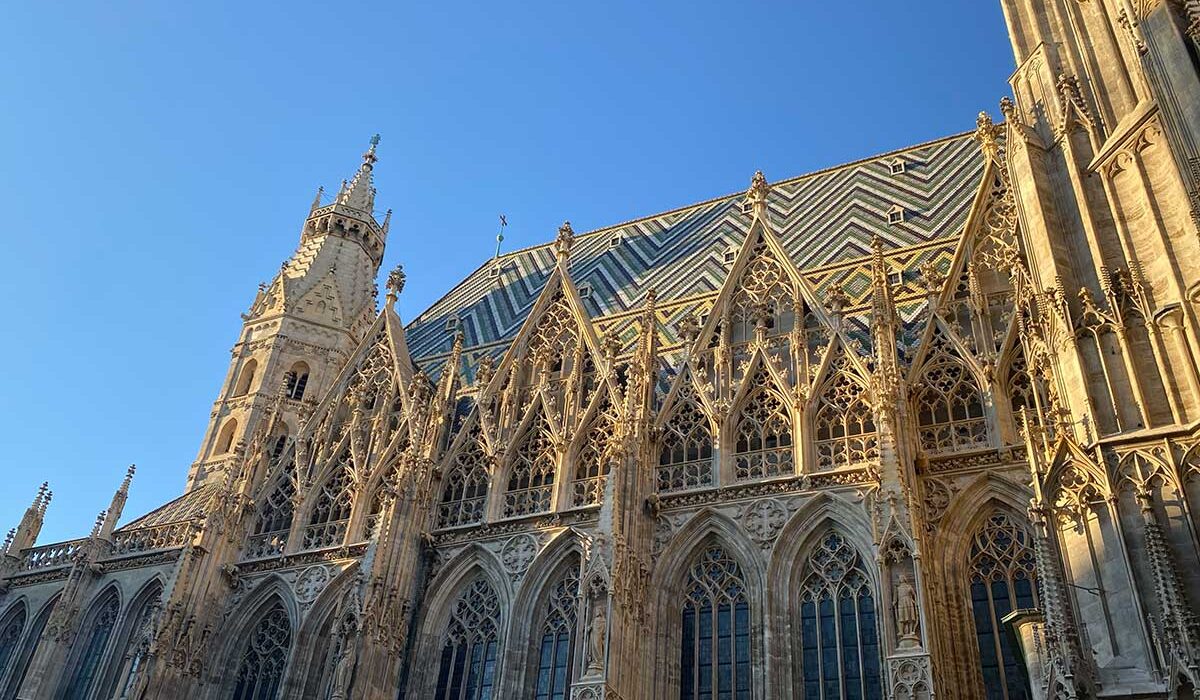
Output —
(926, 424)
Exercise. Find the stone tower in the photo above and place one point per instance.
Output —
(303, 325)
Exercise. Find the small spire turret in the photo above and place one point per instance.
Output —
(360, 192)
(113, 514)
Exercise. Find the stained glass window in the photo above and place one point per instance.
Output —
(1003, 579)
(260, 671)
(10, 636)
(467, 668)
(715, 644)
(556, 650)
(95, 642)
(839, 637)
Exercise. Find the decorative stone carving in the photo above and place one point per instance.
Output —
(763, 519)
(517, 554)
(310, 583)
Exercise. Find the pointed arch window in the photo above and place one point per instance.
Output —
(556, 653)
(1023, 391)
(950, 409)
(135, 644)
(715, 644)
(839, 636)
(467, 668)
(22, 657)
(225, 440)
(246, 377)
(592, 463)
(260, 670)
(331, 512)
(1003, 578)
(763, 437)
(296, 381)
(466, 484)
(10, 637)
(845, 425)
(531, 479)
(685, 456)
(98, 630)
(274, 521)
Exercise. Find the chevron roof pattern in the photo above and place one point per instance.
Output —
(825, 220)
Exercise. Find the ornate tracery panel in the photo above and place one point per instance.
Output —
(1003, 578)
(950, 409)
(467, 669)
(95, 642)
(331, 512)
(466, 483)
(764, 294)
(10, 637)
(260, 670)
(556, 652)
(845, 425)
(274, 520)
(555, 337)
(685, 452)
(531, 476)
(715, 638)
(592, 462)
(763, 437)
(839, 636)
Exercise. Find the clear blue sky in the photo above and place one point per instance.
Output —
(158, 158)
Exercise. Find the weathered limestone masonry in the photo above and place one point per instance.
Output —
(924, 424)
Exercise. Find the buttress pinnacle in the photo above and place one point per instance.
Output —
(360, 192)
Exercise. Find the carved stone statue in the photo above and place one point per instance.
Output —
(597, 638)
(907, 615)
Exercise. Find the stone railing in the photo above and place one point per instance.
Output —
(268, 544)
(324, 535)
(154, 537)
(49, 556)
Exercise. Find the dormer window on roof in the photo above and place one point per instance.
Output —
(730, 255)
(895, 215)
(898, 166)
(452, 323)
(585, 291)
(615, 241)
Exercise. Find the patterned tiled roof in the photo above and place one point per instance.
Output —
(825, 220)
(189, 505)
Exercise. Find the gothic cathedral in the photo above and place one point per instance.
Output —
(926, 424)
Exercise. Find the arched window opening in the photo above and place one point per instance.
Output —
(10, 637)
(715, 644)
(467, 669)
(274, 521)
(225, 439)
(98, 630)
(556, 652)
(331, 512)
(531, 480)
(1003, 578)
(278, 441)
(246, 377)
(763, 438)
(685, 453)
(260, 671)
(839, 637)
(134, 647)
(296, 381)
(383, 490)
(845, 426)
(950, 409)
(466, 483)
(22, 657)
(592, 463)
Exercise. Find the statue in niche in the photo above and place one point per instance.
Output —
(597, 638)
(907, 614)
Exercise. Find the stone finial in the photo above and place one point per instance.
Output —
(1009, 109)
(360, 192)
(837, 298)
(987, 134)
(395, 284)
(99, 524)
(316, 203)
(387, 221)
(688, 328)
(8, 541)
(611, 345)
(756, 196)
(565, 240)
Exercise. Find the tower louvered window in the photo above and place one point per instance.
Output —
(531, 479)
(715, 644)
(464, 491)
(260, 670)
(839, 638)
(1003, 579)
(950, 409)
(845, 426)
(763, 436)
(331, 513)
(685, 454)
(556, 651)
(10, 637)
(95, 638)
(467, 669)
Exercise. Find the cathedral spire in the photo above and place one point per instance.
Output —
(113, 514)
(360, 193)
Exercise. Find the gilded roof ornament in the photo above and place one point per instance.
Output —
(756, 196)
(987, 134)
(395, 283)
